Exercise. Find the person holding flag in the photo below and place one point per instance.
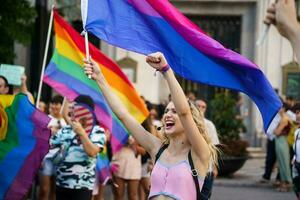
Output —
(187, 149)
(283, 16)
(78, 146)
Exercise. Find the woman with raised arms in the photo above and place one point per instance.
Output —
(183, 158)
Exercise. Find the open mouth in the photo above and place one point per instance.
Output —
(169, 124)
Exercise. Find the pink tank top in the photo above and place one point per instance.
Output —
(174, 181)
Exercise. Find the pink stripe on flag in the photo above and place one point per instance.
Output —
(194, 35)
(144, 7)
(116, 145)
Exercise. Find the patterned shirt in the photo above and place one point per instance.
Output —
(77, 171)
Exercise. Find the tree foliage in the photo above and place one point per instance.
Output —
(229, 126)
(16, 24)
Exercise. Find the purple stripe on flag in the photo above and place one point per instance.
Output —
(29, 170)
(189, 31)
(190, 53)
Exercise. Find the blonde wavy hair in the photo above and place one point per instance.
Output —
(198, 118)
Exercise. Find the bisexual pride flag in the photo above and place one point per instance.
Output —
(147, 26)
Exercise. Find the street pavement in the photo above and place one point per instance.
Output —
(243, 185)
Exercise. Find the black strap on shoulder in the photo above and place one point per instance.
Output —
(160, 151)
(195, 176)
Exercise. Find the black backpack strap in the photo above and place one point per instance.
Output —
(160, 151)
(195, 176)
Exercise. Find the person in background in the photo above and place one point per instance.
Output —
(154, 117)
(212, 131)
(81, 142)
(296, 159)
(191, 96)
(271, 153)
(23, 88)
(129, 170)
(43, 107)
(283, 151)
(284, 17)
(213, 170)
(47, 178)
(5, 88)
(290, 101)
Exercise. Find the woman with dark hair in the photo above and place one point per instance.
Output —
(5, 88)
(182, 160)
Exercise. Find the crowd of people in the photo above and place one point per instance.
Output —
(281, 139)
(180, 139)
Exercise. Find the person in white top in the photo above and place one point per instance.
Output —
(47, 190)
(211, 128)
(296, 159)
(212, 132)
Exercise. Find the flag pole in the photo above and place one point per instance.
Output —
(45, 56)
(87, 51)
(265, 29)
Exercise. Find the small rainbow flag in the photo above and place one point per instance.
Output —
(103, 167)
(66, 75)
(24, 141)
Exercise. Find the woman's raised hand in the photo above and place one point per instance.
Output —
(157, 60)
(91, 69)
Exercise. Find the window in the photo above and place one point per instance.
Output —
(291, 80)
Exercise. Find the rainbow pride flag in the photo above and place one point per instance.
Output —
(147, 26)
(24, 142)
(66, 75)
(103, 167)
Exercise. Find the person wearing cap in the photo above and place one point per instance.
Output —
(79, 144)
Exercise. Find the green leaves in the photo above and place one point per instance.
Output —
(16, 24)
(225, 115)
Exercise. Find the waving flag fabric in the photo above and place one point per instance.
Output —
(65, 74)
(103, 167)
(24, 142)
(147, 26)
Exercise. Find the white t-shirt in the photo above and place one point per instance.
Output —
(211, 129)
(297, 151)
(273, 126)
(212, 132)
(57, 124)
